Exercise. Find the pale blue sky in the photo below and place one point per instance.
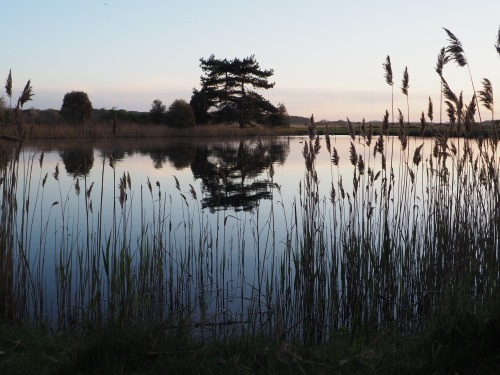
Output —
(327, 56)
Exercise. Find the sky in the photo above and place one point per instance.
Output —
(327, 56)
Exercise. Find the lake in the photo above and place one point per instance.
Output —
(269, 235)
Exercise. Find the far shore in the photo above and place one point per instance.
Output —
(103, 130)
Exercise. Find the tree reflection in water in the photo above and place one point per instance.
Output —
(233, 175)
(78, 162)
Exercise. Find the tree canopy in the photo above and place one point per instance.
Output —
(157, 111)
(180, 114)
(228, 91)
(76, 106)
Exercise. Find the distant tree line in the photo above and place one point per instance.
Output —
(227, 96)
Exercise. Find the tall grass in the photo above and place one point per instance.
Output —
(385, 251)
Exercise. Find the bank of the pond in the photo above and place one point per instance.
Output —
(100, 130)
(457, 341)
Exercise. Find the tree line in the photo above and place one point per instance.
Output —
(228, 95)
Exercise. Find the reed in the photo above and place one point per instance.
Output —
(457, 53)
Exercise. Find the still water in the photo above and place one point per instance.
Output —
(269, 233)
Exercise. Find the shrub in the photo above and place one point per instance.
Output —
(157, 111)
(180, 114)
(280, 117)
(76, 106)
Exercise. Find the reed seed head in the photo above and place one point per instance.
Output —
(405, 84)
(351, 129)
(327, 140)
(422, 124)
(417, 155)
(26, 95)
(77, 187)
(335, 157)
(486, 95)
(385, 123)
(451, 112)
(497, 44)
(361, 165)
(89, 191)
(442, 60)
(388, 71)
(8, 84)
(470, 113)
(353, 156)
(455, 49)
(430, 110)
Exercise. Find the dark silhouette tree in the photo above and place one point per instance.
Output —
(201, 103)
(180, 114)
(157, 111)
(76, 106)
(280, 118)
(228, 89)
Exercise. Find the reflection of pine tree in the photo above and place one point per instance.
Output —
(77, 162)
(233, 175)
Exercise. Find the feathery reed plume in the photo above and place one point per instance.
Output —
(422, 124)
(451, 112)
(457, 53)
(89, 191)
(379, 146)
(56, 172)
(442, 60)
(401, 121)
(455, 49)
(361, 165)
(405, 84)
(368, 135)
(77, 187)
(388, 78)
(417, 156)
(351, 129)
(353, 156)
(327, 140)
(8, 86)
(486, 95)
(402, 134)
(385, 123)
(497, 44)
(388, 71)
(311, 129)
(469, 114)
(193, 192)
(460, 111)
(430, 110)
(26, 94)
(335, 157)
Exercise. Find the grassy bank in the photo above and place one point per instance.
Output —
(456, 341)
(102, 130)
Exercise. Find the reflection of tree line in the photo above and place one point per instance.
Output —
(233, 174)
